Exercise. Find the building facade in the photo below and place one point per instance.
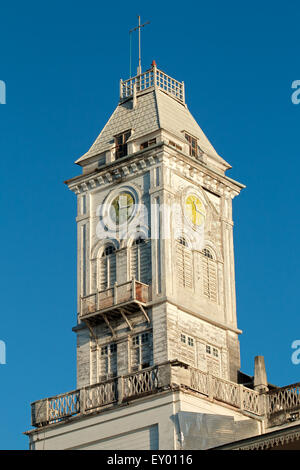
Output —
(158, 357)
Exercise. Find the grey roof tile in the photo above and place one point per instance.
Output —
(154, 110)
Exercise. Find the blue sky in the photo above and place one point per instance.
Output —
(61, 64)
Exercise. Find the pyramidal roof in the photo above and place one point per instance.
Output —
(149, 102)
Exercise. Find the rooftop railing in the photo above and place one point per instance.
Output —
(168, 375)
(152, 78)
(283, 404)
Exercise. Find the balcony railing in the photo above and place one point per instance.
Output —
(153, 78)
(128, 292)
(283, 404)
(172, 374)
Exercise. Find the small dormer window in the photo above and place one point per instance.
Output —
(121, 144)
(192, 141)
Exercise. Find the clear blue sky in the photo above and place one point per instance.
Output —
(62, 62)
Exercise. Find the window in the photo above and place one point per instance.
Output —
(212, 351)
(184, 270)
(209, 275)
(148, 143)
(121, 144)
(187, 340)
(107, 268)
(192, 145)
(213, 360)
(108, 361)
(207, 253)
(187, 350)
(215, 352)
(140, 260)
(182, 241)
(140, 351)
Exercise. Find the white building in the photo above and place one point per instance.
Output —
(158, 358)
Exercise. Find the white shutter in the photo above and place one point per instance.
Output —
(134, 262)
(180, 264)
(209, 278)
(188, 268)
(112, 269)
(145, 262)
(213, 366)
(140, 262)
(103, 273)
(184, 266)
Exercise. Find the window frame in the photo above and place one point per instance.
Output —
(121, 148)
(137, 342)
(192, 143)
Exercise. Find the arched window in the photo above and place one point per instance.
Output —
(107, 268)
(209, 275)
(140, 260)
(184, 263)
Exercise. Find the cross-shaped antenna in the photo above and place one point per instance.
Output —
(139, 70)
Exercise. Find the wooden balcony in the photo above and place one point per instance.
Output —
(164, 376)
(126, 298)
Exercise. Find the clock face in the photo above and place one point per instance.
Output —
(194, 210)
(121, 208)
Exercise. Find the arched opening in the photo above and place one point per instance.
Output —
(184, 263)
(107, 268)
(209, 275)
(140, 260)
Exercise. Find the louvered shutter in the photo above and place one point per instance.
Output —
(103, 273)
(184, 266)
(140, 262)
(188, 268)
(134, 262)
(112, 269)
(209, 278)
(145, 262)
(180, 264)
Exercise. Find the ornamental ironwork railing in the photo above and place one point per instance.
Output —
(152, 78)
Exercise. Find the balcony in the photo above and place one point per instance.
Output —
(128, 297)
(171, 375)
(153, 78)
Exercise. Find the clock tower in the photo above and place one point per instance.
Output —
(157, 334)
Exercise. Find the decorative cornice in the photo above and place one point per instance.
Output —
(217, 184)
(107, 176)
(195, 171)
(266, 441)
